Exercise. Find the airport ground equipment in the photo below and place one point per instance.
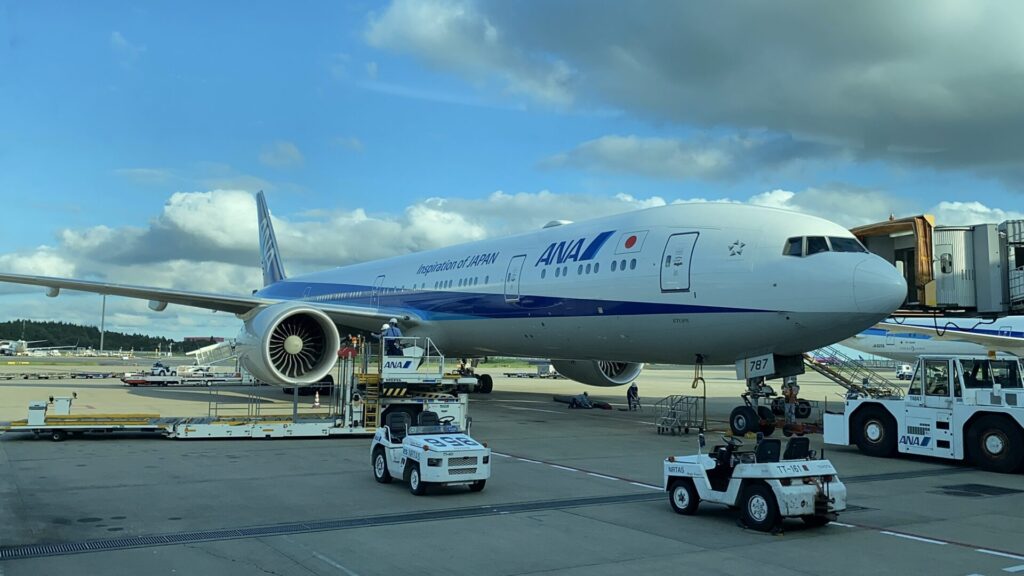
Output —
(367, 390)
(766, 484)
(433, 452)
(904, 372)
(957, 407)
(676, 414)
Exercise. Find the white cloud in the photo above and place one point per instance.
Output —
(847, 205)
(452, 35)
(281, 154)
(967, 213)
(127, 53)
(350, 143)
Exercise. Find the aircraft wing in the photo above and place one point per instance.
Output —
(342, 314)
(998, 343)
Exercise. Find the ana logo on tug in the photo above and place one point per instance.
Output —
(397, 364)
(573, 250)
(921, 441)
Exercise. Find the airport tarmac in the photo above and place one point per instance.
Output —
(572, 492)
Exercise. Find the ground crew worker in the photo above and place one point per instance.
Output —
(633, 397)
(790, 392)
(390, 332)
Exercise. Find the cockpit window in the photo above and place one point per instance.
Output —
(846, 244)
(816, 244)
(794, 247)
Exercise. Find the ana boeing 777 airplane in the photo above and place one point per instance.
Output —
(682, 283)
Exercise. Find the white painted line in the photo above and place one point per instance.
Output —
(1014, 568)
(841, 524)
(500, 454)
(1003, 554)
(652, 487)
(327, 560)
(563, 468)
(909, 537)
(532, 409)
(595, 475)
(528, 460)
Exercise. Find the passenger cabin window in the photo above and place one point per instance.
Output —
(816, 244)
(794, 247)
(846, 244)
(936, 378)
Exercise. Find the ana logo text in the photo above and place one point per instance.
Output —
(573, 250)
(398, 364)
(921, 441)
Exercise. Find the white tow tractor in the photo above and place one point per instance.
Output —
(434, 452)
(957, 407)
(763, 484)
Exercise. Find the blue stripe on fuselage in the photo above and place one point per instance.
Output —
(895, 331)
(444, 305)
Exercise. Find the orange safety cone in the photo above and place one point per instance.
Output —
(316, 400)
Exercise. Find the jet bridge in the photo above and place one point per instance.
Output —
(953, 270)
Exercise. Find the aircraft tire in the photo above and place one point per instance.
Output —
(486, 384)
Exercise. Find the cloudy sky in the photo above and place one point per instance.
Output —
(133, 136)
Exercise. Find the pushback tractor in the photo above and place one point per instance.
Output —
(957, 407)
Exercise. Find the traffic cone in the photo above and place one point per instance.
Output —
(316, 400)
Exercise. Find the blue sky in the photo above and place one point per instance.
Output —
(129, 132)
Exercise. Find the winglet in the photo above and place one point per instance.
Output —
(270, 257)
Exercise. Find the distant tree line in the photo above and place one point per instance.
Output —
(65, 334)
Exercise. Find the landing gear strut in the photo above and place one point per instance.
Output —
(752, 416)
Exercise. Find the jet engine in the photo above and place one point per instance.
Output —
(598, 373)
(288, 344)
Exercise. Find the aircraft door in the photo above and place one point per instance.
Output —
(675, 262)
(929, 416)
(512, 278)
(377, 290)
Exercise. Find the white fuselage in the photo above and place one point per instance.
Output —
(659, 285)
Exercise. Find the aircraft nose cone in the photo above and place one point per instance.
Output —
(878, 287)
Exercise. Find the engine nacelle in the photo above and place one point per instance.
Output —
(288, 344)
(596, 373)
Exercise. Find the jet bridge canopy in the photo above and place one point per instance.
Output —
(907, 243)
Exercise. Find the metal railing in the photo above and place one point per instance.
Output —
(851, 374)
